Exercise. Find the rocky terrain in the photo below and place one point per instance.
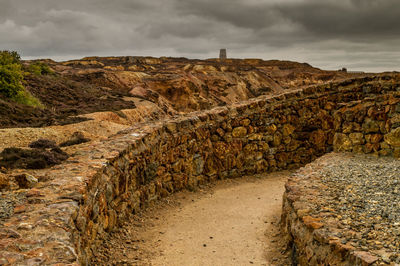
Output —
(100, 96)
(364, 194)
(170, 85)
(127, 131)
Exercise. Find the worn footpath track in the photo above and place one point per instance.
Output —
(232, 222)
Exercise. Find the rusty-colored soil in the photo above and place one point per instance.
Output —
(174, 85)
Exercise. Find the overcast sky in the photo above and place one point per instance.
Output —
(357, 34)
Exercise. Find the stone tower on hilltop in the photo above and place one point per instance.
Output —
(222, 54)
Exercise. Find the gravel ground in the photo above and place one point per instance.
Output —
(364, 191)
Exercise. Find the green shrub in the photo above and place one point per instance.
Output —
(24, 97)
(11, 78)
(9, 57)
(39, 68)
(11, 74)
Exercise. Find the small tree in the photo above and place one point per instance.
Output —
(11, 74)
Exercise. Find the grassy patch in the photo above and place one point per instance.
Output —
(24, 97)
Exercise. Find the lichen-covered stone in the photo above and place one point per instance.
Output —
(198, 164)
(318, 138)
(4, 181)
(393, 138)
(357, 138)
(245, 122)
(288, 129)
(342, 142)
(239, 132)
(271, 129)
(277, 139)
(371, 126)
(373, 138)
(26, 181)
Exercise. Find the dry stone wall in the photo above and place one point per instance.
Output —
(264, 134)
(368, 125)
(371, 125)
(97, 188)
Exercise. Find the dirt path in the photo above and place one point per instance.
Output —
(234, 222)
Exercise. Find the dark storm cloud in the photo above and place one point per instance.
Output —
(329, 34)
(352, 20)
(235, 12)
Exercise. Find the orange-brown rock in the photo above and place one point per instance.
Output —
(4, 181)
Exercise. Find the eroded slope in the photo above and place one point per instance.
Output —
(173, 85)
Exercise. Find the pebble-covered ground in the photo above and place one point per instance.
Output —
(364, 192)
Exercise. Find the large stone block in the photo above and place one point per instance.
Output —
(393, 138)
(341, 142)
(277, 139)
(373, 138)
(349, 127)
(239, 132)
(26, 181)
(4, 181)
(288, 129)
(318, 138)
(357, 138)
(198, 164)
(371, 126)
(271, 129)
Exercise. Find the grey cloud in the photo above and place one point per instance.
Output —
(329, 33)
(235, 12)
(358, 19)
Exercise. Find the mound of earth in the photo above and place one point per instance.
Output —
(31, 158)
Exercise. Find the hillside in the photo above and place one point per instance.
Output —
(167, 86)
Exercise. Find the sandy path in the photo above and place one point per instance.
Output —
(231, 223)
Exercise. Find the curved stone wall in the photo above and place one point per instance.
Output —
(369, 126)
(320, 237)
(264, 134)
(105, 181)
